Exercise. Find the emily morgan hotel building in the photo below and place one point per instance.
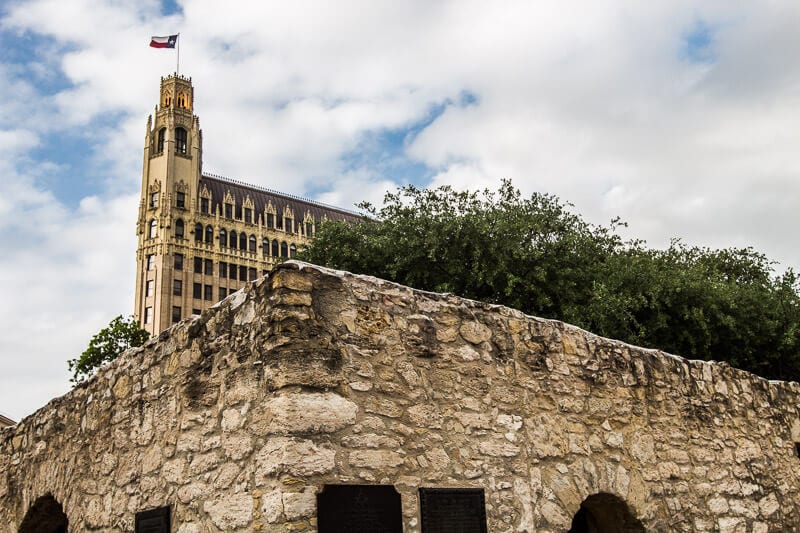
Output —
(201, 236)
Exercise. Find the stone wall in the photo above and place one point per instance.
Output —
(310, 377)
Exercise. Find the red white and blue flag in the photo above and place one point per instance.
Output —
(167, 41)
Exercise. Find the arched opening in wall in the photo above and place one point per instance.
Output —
(45, 516)
(605, 513)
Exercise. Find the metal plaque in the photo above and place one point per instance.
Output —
(452, 510)
(153, 521)
(359, 509)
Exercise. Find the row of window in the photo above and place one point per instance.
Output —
(206, 267)
(180, 200)
(176, 314)
(273, 221)
(240, 241)
(180, 140)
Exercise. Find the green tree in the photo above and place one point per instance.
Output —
(120, 334)
(535, 255)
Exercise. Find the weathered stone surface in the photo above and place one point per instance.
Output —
(231, 512)
(309, 377)
(308, 412)
(293, 456)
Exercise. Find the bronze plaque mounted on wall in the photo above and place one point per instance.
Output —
(153, 521)
(359, 509)
(452, 510)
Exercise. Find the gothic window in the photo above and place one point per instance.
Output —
(242, 273)
(197, 290)
(180, 200)
(209, 234)
(223, 269)
(177, 287)
(242, 241)
(279, 222)
(232, 271)
(178, 264)
(207, 292)
(148, 315)
(176, 314)
(223, 238)
(248, 215)
(153, 199)
(208, 267)
(198, 265)
(309, 229)
(228, 211)
(252, 243)
(275, 248)
(153, 229)
(180, 140)
(284, 249)
(204, 205)
(292, 250)
(270, 220)
(198, 232)
(179, 229)
(289, 227)
(233, 239)
(265, 246)
(251, 274)
(148, 290)
(223, 292)
(160, 140)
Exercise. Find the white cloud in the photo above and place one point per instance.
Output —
(598, 103)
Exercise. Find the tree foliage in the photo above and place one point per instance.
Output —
(535, 255)
(120, 334)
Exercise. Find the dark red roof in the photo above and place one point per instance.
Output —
(218, 186)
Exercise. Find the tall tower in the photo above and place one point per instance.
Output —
(171, 173)
(203, 237)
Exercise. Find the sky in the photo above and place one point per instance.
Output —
(680, 117)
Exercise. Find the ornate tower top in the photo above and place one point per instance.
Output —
(177, 92)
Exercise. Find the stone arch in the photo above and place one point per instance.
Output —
(605, 513)
(45, 516)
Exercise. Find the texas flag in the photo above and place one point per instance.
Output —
(163, 42)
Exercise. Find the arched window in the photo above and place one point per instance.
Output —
(198, 232)
(160, 140)
(233, 239)
(179, 229)
(252, 243)
(284, 249)
(243, 241)
(223, 238)
(180, 140)
(46, 514)
(209, 234)
(265, 247)
(153, 229)
(275, 248)
(292, 250)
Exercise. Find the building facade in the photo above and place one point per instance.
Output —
(200, 236)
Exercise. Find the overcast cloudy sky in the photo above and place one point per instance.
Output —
(679, 116)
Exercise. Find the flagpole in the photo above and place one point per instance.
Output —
(178, 64)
